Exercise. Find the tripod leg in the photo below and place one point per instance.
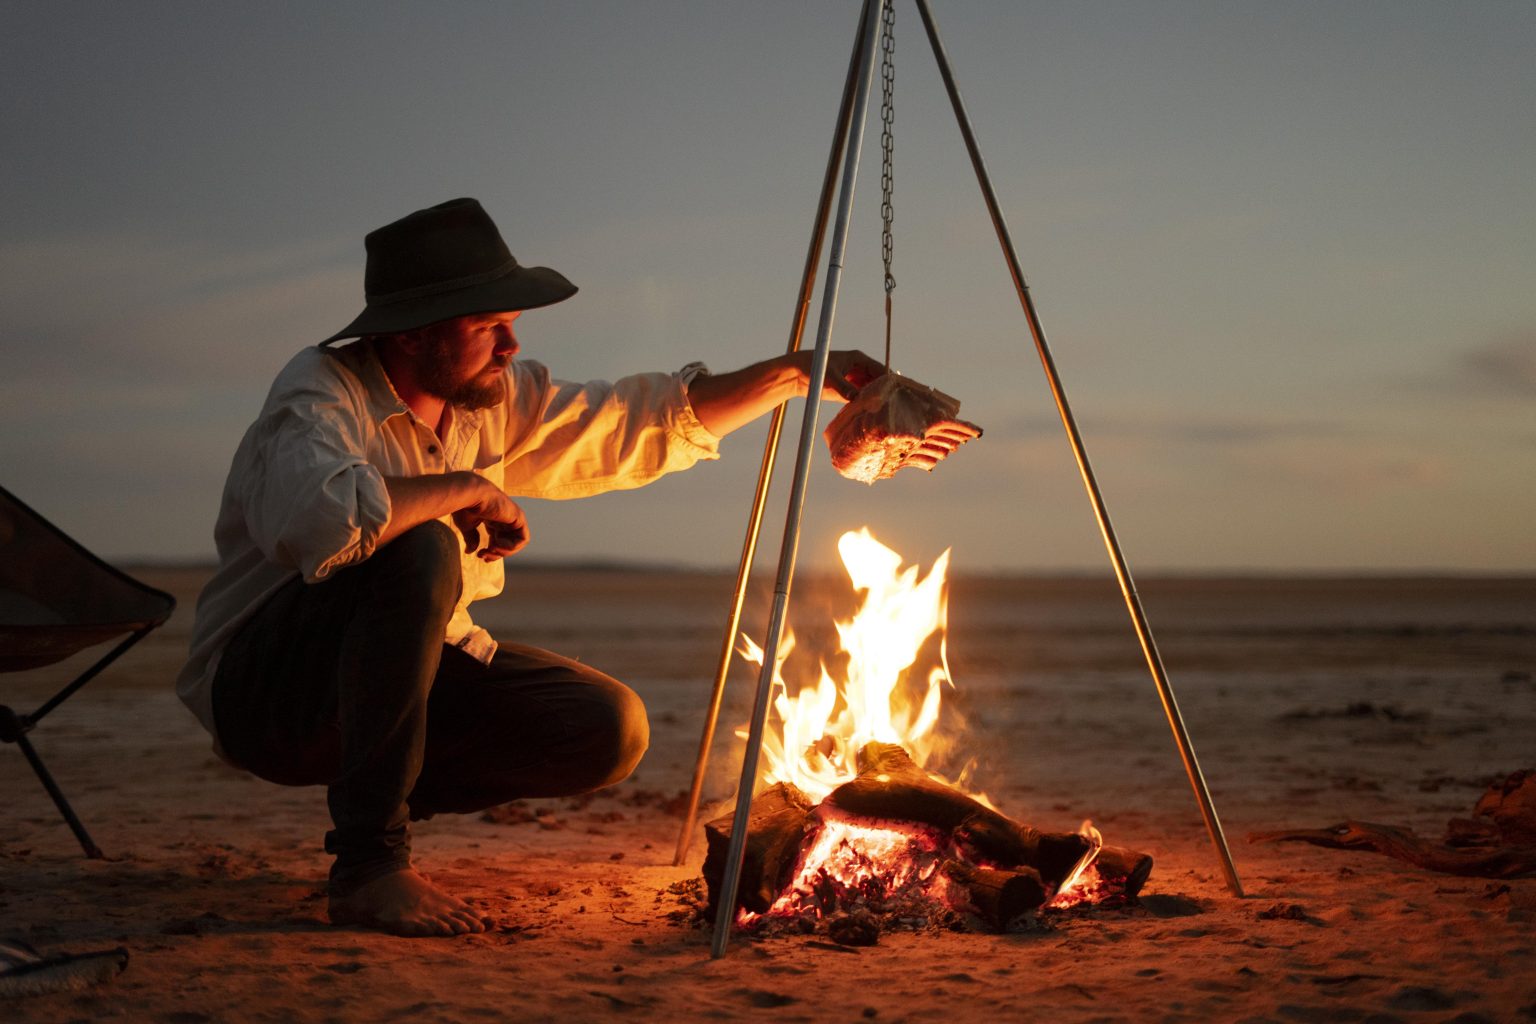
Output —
(726, 913)
(770, 452)
(1122, 571)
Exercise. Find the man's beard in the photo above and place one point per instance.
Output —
(479, 392)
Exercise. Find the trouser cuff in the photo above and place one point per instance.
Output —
(362, 860)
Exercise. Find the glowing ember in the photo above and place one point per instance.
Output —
(854, 863)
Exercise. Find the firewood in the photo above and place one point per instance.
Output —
(889, 785)
(779, 819)
(999, 897)
(1125, 871)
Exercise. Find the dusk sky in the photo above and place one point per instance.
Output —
(1285, 253)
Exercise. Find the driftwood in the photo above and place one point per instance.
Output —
(1503, 846)
(1477, 862)
(1511, 806)
(1022, 868)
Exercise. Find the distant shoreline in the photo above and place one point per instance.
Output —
(621, 567)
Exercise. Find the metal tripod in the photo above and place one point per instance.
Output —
(846, 148)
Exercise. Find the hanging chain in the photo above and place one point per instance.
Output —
(887, 178)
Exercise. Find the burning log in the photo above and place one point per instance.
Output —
(889, 785)
(1000, 897)
(1125, 871)
(780, 819)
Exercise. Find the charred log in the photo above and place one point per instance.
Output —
(780, 818)
(860, 928)
(999, 897)
(1124, 871)
(889, 785)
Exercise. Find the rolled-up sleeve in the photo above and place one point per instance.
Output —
(313, 501)
(569, 440)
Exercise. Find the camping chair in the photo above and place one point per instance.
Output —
(56, 599)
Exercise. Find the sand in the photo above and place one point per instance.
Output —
(1310, 701)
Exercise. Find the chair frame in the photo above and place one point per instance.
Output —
(15, 726)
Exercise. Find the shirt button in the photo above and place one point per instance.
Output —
(431, 449)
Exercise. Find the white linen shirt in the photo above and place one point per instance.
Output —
(306, 496)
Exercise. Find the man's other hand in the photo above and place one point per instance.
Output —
(506, 528)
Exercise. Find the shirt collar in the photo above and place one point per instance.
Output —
(383, 400)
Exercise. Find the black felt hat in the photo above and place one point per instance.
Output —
(445, 261)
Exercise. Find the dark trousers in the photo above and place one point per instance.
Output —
(347, 683)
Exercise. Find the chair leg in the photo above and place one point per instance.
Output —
(86, 842)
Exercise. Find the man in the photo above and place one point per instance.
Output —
(368, 506)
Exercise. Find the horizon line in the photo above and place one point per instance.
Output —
(637, 566)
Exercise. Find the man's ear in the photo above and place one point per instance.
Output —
(409, 342)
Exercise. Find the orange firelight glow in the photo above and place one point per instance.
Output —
(820, 728)
(813, 736)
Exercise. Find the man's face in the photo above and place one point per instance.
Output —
(463, 361)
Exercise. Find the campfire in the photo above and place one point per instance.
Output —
(855, 829)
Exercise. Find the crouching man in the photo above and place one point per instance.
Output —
(372, 501)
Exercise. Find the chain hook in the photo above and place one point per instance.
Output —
(887, 148)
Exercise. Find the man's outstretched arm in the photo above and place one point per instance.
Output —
(727, 401)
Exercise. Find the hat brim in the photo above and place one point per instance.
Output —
(523, 288)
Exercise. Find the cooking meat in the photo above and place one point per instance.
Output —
(892, 422)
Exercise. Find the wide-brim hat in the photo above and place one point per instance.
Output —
(443, 262)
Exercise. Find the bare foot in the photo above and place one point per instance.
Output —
(405, 903)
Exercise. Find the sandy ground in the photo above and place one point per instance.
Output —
(213, 880)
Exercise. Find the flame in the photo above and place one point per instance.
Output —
(821, 727)
(1083, 884)
(813, 735)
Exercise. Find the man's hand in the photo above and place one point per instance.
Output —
(506, 528)
(469, 498)
(848, 371)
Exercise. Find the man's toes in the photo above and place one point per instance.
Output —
(469, 923)
(412, 928)
(461, 926)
